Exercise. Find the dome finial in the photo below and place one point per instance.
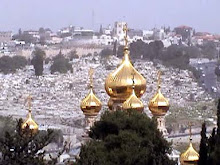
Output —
(91, 71)
(125, 29)
(29, 99)
(158, 79)
(190, 132)
(133, 76)
(133, 102)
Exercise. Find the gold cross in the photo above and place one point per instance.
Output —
(133, 74)
(29, 99)
(91, 71)
(190, 131)
(158, 79)
(125, 29)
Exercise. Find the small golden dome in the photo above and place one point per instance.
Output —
(158, 105)
(133, 103)
(29, 122)
(189, 156)
(91, 105)
(118, 84)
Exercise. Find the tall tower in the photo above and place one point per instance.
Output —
(90, 105)
(159, 106)
(118, 84)
(29, 122)
(190, 156)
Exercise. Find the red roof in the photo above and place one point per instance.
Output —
(183, 27)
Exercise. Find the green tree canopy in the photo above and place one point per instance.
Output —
(125, 138)
(11, 64)
(60, 64)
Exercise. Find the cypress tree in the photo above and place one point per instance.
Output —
(203, 147)
(218, 119)
(115, 48)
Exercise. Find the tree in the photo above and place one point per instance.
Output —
(73, 55)
(217, 70)
(60, 64)
(22, 147)
(125, 138)
(211, 150)
(11, 64)
(100, 30)
(115, 48)
(38, 60)
(120, 51)
(203, 147)
(19, 62)
(105, 53)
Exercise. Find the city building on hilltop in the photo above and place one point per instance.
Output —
(185, 31)
(5, 36)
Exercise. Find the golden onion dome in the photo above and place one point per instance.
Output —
(133, 103)
(189, 156)
(118, 84)
(91, 105)
(29, 122)
(158, 105)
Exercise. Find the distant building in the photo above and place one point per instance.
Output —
(158, 34)
(185, 31)
(5, 36)
(118, 30)
(148, 34)
(105, 40)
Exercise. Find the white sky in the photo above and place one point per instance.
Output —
(204, 15)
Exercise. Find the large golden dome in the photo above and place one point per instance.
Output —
(118, 84)
(91, 105)
(158, 105)
(190, 156)
(29, 122)
(133, 103)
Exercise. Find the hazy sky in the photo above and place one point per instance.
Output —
(204, 15)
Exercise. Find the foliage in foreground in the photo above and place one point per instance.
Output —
(125, 138)
(210, 147)
(23, 147)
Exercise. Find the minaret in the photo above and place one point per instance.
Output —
(159, 106)
(29, 122)
(90, 105)
(118, 84)
(190, 156)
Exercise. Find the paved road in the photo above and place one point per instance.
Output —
(208, 78)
